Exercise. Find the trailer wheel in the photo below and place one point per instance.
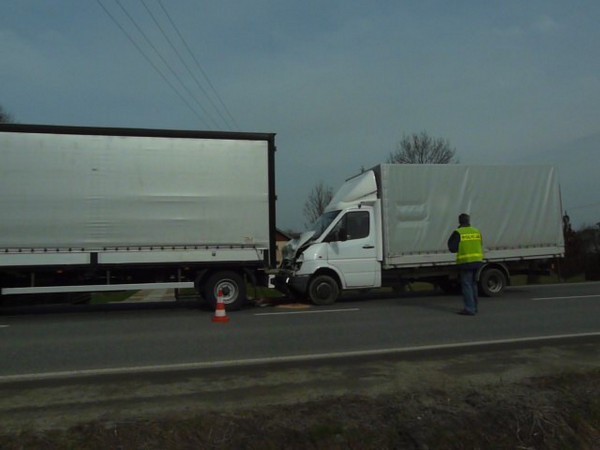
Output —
(323, 290)
(232, 286)
(492, 282)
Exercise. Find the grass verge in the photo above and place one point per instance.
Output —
(553, 412)
(101, 298)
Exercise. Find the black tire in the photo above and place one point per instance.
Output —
(323, 290)
(232, 286)
(492, 282)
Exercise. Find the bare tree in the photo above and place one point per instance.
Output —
(4, 116)
(423, 149)
(317, 200)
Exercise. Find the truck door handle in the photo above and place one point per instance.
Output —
(368, 246)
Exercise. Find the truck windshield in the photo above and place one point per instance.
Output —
(323, 222)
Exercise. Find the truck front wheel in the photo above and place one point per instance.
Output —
(323, 290)
(232, 287)
(492, 282)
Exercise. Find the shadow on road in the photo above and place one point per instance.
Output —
(426, 299)
(107, 307)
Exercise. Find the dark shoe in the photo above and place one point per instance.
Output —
(464, 312)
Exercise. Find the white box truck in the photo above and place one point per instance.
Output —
(103, 209)
(390, 225)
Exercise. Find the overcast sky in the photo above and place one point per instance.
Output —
(339, 81)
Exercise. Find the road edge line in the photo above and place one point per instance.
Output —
(278, 359)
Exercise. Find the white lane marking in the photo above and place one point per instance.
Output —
(565, 284)
(276, 359)
(555, 284)
(570, 297)
(4, 326)
(320, 311)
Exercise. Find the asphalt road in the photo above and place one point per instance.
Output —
(176, 336)
(66, 366)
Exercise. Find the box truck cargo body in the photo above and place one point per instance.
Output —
(96, 209)
(390, 225)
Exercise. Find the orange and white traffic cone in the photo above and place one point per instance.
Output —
(220, 314)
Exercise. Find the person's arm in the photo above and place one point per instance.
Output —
(453, 242)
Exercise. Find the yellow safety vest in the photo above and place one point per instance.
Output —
(470, 248)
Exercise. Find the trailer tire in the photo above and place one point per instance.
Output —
(323, 290)
(492, 282)
(232, 286)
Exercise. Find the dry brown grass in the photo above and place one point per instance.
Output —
(557, 412)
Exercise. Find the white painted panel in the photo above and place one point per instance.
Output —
(96, 288)
(43, 259)
(90, 192)
(517, 209)
(174, 256)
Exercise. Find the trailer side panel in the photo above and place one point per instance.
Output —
(517, 208)
(92, 192)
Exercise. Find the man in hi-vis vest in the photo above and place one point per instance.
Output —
(467, 243)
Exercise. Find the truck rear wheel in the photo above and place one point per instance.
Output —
(232, 287)
(492, 282)
(323, 290)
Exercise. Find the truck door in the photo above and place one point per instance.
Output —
(351, 248)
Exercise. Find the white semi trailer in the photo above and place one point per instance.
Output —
(389, 226)
(104, 209)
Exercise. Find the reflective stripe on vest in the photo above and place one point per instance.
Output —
(470, 248)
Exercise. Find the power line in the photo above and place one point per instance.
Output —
(139, 49)
(166, 63)
(191, 73)
(197, 63)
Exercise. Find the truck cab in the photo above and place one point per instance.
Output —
(343, 248)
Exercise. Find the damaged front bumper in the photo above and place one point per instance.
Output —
(286, 282)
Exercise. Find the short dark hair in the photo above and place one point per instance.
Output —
(464, 219)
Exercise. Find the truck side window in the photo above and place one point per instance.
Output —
(357, 224)
(354, 225)
(338, 232)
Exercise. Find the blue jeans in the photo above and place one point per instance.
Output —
(468, 282)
